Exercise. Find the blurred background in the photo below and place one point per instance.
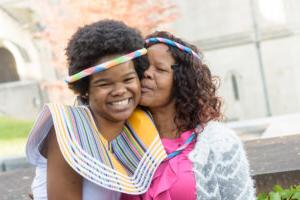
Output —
(252, 45)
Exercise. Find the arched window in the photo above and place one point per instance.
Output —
(235, 87)
(8, 69)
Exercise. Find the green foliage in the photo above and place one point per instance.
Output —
(14, 128)
(278, 193)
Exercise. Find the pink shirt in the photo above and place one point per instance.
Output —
(174, 179)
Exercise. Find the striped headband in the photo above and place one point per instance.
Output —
(105, 65)
(174, 44)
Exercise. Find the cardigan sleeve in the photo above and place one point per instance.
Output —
(220, 165)
(232, 170)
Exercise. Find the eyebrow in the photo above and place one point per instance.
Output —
(107, 79)
(160, 64)
(157, 61)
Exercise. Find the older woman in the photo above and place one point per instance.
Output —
(206, 160)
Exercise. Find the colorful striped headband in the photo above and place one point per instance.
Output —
(174, 44)
(106, 65)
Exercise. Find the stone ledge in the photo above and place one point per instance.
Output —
(265, 182)
(274, 161)
(9, 164)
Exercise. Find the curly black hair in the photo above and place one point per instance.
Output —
(92, 42)
(194, 88)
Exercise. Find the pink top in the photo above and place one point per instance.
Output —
(174, 179)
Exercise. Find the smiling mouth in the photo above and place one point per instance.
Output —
(121, 104)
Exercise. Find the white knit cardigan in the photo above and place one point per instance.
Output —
(220, 165)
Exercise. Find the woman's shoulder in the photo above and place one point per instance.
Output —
(217, 131)
(218, 137)
(215, 142)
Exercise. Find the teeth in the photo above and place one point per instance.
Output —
(123, 102)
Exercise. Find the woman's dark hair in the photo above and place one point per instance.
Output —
(94, 41)
(194, 88)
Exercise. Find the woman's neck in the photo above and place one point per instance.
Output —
(108, 129)
(164, 120)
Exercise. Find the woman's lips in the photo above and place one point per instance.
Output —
(146, 86)
(145, 89)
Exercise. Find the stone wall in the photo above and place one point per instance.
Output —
(21, 99)
(253, 46)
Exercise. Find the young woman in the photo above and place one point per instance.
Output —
(105, 146)
(206, 160)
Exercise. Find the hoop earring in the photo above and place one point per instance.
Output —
(85, 98)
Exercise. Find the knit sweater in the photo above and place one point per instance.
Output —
(220, 165)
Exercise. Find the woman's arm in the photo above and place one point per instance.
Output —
(235, 182)
(63, 183)
(221, 166)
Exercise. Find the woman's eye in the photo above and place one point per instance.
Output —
(129, 79)
(160, 69)
(103, 84)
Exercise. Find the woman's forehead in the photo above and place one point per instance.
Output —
(160, 53)
(161, 48)
(118, 71)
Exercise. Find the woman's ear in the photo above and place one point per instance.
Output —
(81, 100)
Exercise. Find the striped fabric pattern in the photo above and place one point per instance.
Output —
(125, 143)
(174, 44)
(126, 164)
(104, 66)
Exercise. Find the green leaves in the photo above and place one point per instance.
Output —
(275, 196)
(263, 196)
(278, 193)
(297, 196)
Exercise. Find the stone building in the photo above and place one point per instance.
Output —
(23, 61)
(252, 45)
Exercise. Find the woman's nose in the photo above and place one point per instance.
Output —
(149, 72)
(119, 90)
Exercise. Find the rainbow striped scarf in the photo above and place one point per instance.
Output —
(125, 164)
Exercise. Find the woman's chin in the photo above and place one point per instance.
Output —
(144, 102)
(146, 97)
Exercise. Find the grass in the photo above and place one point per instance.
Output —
(13, 136)
(11, 129)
